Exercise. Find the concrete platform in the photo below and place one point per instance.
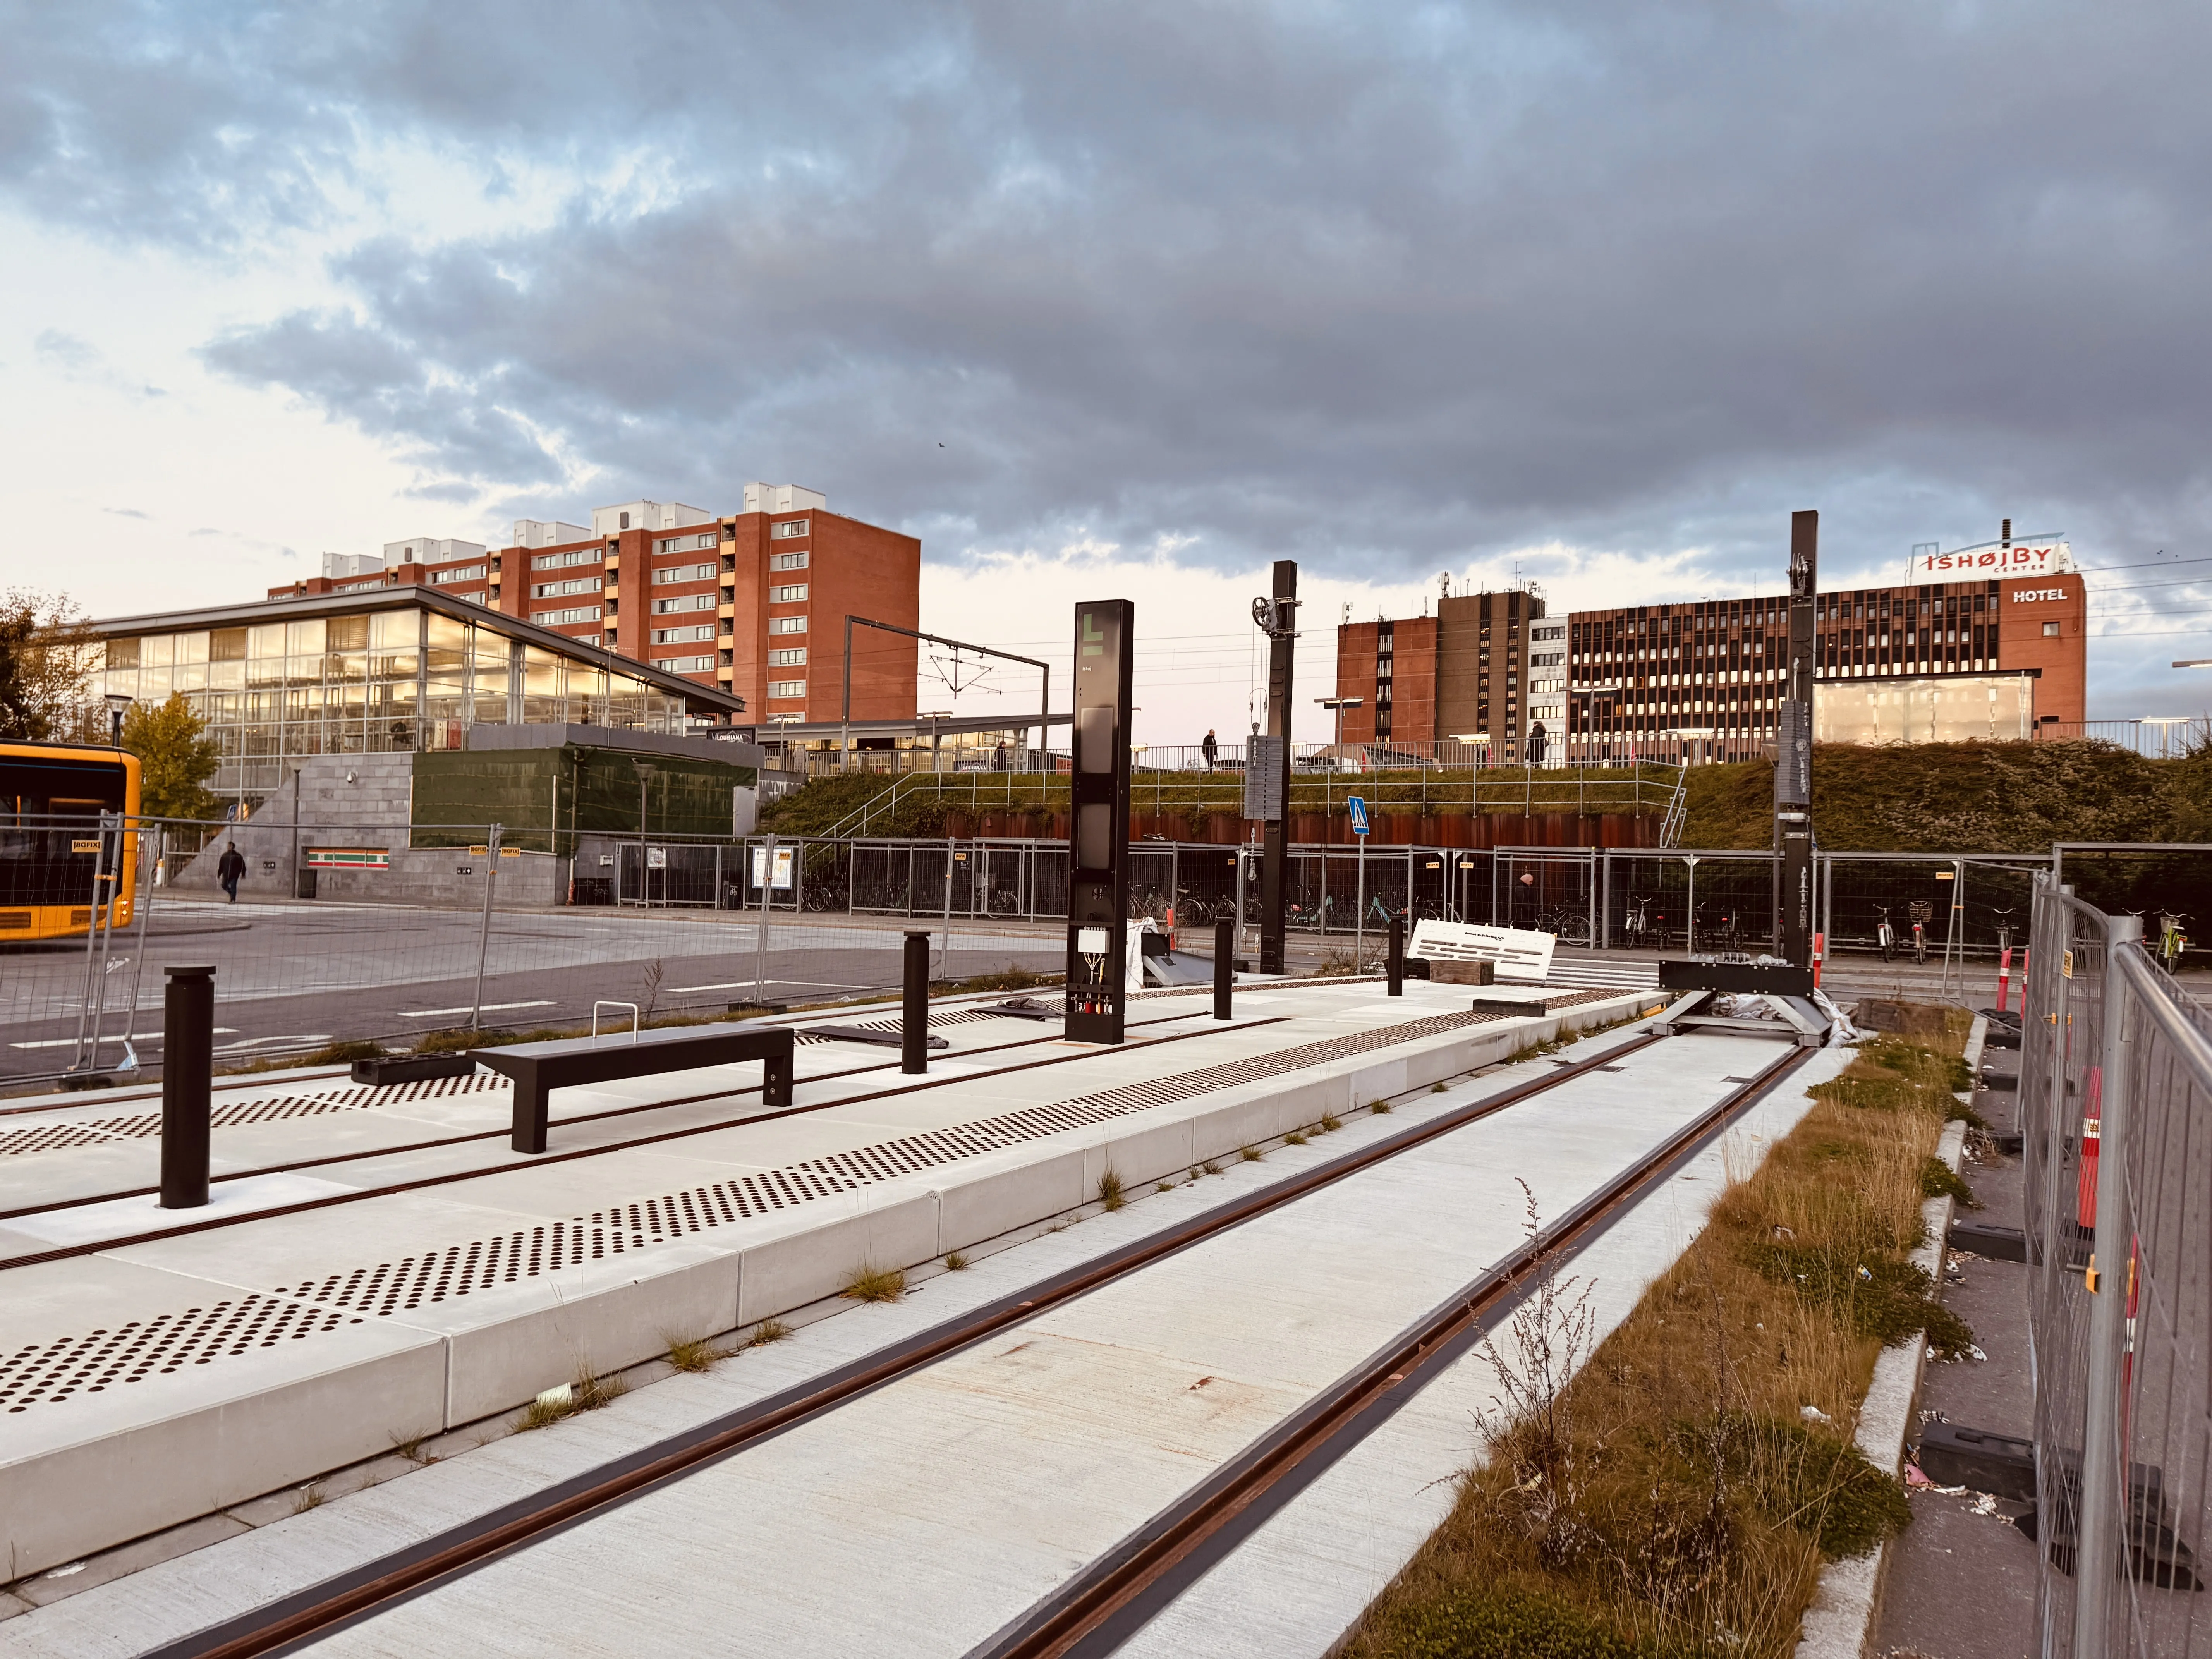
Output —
(143, 1384)
(896, 1502)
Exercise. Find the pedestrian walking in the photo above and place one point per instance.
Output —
(998, 756)
(228, 868)
(1536, 735)
(1211, 748)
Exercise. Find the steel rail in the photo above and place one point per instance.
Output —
(347, 1597)
(1103, 1606)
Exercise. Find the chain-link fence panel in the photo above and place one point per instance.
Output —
(2115, 1090)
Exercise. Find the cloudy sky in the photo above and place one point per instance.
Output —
(1123, 299)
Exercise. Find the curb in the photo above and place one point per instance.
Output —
(1840, 1622)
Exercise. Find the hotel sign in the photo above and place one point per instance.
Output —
(1995, 559)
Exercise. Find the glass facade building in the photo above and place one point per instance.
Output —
(344, 674)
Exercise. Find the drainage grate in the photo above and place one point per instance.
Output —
(50, 1375)
(143, 1126)
(167, 1342)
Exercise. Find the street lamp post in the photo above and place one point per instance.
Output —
(118, 704)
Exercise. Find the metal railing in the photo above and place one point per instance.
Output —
(2115, 1097)
(1321, 781)
(2154, 739)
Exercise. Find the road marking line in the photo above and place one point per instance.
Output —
(67, 1042)
(488, 1008)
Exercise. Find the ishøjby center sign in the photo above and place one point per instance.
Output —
(2016, 558)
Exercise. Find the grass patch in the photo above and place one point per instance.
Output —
(1110, 1196)
(876, 1284)
(693, 1354)
(1211, 1167)
(768, 1331)
(1164, 1186)
(1296, 1137)
(308, 1498)
(1663, 1492)
(411, 1449)
(1251, 1154)
(1939, 1180)
(1330, 1123)
(1011, 978)
(1436, 1089)
(1380, 1107)
(954, 1262)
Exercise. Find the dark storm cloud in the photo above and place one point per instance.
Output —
(1388, 290)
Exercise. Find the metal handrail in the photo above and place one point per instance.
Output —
(634, 1017)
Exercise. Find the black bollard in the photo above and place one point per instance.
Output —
(1396, 961)
(913, 1015)
(187, 1067)
(1225, 965)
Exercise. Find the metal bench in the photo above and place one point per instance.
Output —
(538, 1068)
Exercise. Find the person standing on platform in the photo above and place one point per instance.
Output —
(1211, 748)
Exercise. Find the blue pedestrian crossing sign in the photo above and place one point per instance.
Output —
(1357, 805)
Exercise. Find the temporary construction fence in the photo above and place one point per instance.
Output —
(353, 932)
(2115, 1097)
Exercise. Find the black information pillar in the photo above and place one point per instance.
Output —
(1282, 629)
(1793, 755)
(1098, 841)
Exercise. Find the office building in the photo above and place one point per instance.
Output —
(1974, 655)
(382, 670)
(2002, 657)
(751, 603)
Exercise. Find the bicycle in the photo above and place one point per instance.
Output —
(2004, 930)
(1566, 926)
(1636, 925)
(2172, 941)
(1922, 911)
(1884, 935)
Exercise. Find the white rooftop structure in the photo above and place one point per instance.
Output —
(646, 515)
(547, 532)
(783, 498)
(430, 549)
(337, 565)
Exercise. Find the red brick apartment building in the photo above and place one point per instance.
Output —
(752, 602)
(1462, 673)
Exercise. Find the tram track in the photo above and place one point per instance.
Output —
(1121, 1588)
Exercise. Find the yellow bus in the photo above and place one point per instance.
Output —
(59, 872)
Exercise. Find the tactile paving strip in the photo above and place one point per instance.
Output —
(457, 1270)
(167, 1342)
(52, 1373)
(142, 1126)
